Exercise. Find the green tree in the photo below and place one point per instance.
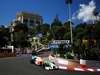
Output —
(97, 33)
(81, 31)
(20, 39)
(18, 26)
(56, 27)
(20, 34)
(4, 36)
(67, 30)
(45, 29)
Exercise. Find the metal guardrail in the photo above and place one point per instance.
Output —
(43, 49)
(6, 53)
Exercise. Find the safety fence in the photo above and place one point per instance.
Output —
(6, 53)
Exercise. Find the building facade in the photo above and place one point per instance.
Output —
(30, 19)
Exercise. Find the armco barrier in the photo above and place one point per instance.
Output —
(6, 53)
(3, 55)
(79, 69)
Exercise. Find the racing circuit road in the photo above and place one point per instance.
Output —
(20, 65)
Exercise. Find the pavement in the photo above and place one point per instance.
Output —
(20, 65)
(91, 63)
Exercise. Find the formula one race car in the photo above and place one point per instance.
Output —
(35, 59)
(44, 62)
(48, 65)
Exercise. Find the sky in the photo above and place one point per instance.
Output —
(48, 9)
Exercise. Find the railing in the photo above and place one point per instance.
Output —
(6, 53)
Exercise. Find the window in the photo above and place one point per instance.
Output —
(25, 21)
(31, 22)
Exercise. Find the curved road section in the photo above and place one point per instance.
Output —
(21, 66)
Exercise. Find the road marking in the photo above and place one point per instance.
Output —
(79, 69)
(98, 69)
(62, 67)
(89, 69)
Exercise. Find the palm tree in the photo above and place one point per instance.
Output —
(69, 2)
